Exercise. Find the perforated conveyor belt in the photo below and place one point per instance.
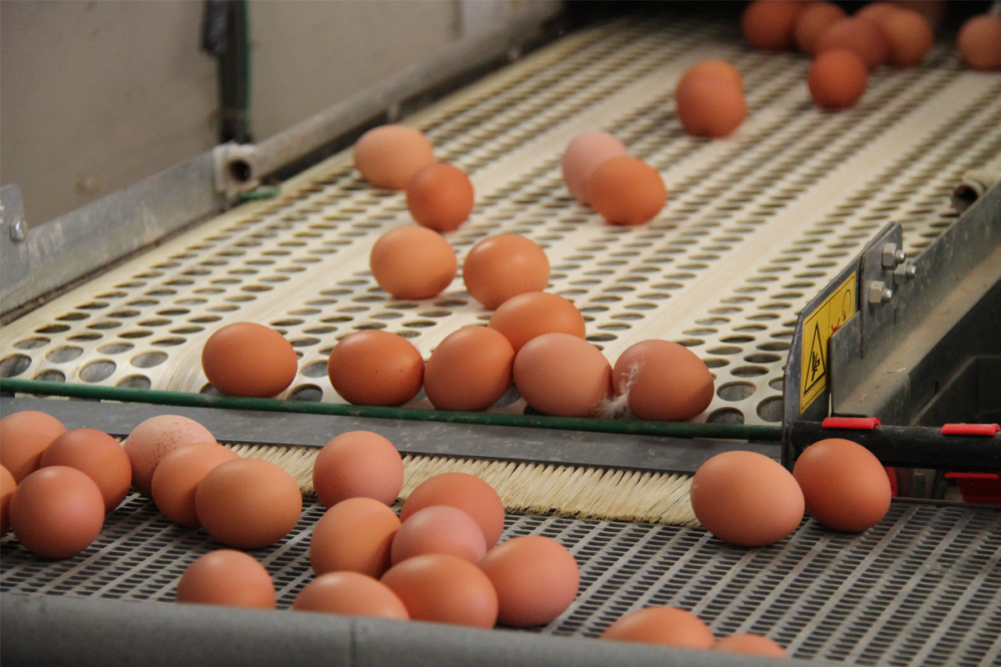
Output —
(921, 588)
(755, 225)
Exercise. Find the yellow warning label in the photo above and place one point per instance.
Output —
(820, 325)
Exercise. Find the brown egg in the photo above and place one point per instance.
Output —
(470, 370)
(156, 437)
(710, 106)
(226, 577)
(247, 359)
(350, 594)
(844, 485)
(562, 375)
(444, 589)
(812, 21)
(465, 492)
(933, 10)
(358, 464)
(504, 266)
(57, 512)
(439, 529)
(909, 35)
(413, 263)
(526, 316)
(248, 503)
(665, 381)
(7, 487)
(536, 579)
(97, 455)
(717, 68)
(979, 42)
(752, 644)
(355, 535)
(837, 79)
(375, 367)
(859, 35)
(668, 626)
(746, 498)
(389, 156)
(440, 197)
(874, 11)
(626, 191)
(176, 479)
(581, 157)
(768, 24)
(25, 435)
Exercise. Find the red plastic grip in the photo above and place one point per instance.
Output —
(857, 423)
(971, 429)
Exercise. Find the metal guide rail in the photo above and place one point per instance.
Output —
(755, 225)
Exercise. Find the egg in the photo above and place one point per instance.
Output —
(536, 579)
(712, 67)
(909, 34)
(751, 644)
(663, 381)
(526, 316)
(844, 485)
(176, 479)
(226, 577)
(469, 370)
(248, 503)
(626, 191)
(504, 266)
(859, 35)
(979, 42)
(350, 594)
(375, 367)
(97, 455)
(358, 464)
(25, 435)
(812, 21)
(7, 487)
(746, 498)
(668, 626)
(710, 106)
(837, 79)
(768, 24)
(156, 437)
(388, 156)
(444, 589)
(582, 156)
(933, 10)
(439, 529)
(440, 197)
(413, 263)
(562, 375)
(247, 359)
(355, 535)
(465, 492)
(57, 512)
(877, 10)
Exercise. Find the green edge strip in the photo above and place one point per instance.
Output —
(634, 427)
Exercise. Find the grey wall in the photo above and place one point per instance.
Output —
(97, 95)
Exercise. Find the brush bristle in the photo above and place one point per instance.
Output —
(533, 488)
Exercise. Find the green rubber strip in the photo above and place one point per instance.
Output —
(635, 427)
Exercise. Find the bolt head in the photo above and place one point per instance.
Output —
(17, 230)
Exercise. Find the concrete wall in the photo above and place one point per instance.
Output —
(95, 96)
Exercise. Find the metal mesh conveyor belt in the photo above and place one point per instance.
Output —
(921, 588)
(755, 226)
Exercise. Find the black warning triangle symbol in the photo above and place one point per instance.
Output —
(816, 369)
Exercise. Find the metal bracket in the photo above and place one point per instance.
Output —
(234, 169)
(15, 265)
(890, 363)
